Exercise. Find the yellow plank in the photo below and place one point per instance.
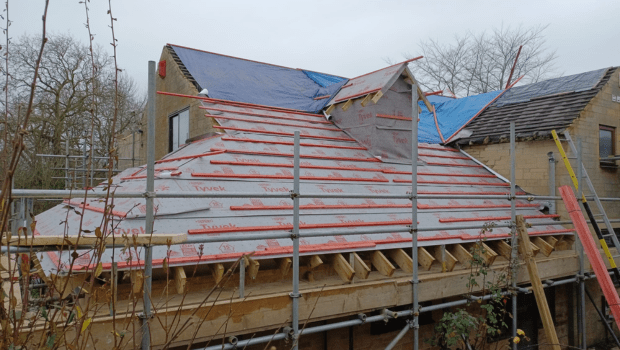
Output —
(502, 248)
(377, 96)
(347, 105)
(537, 288)
(366, 100)
(285, 266)
(252, 266)
(402, 259)
(180, 279)
(382, 264)
(361, 269)
(461, 254)
(137, 282)
(330, 109)
(447, 260)
(315, 261)
(545, 247)
(551, 240)
(425, 259)
(342, 267)
(218, 272)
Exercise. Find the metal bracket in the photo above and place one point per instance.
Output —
(294, 235)
(293, 194)
(294, 295)
(143, 316)
(149, 194)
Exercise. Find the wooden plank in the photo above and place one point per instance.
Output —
(342, 267)
(537, 288)
(285, 266)
(447, 260)
(330, 109)
(425, 259)
(551, 240)
(252, 266)
(489, 254)
(545, 247)
(402, 259)
(137, 282)
(347, 105)
(377, 96)
(8, 273)
(421, 96)
(90, 240)
(461, 254)
(535, 249)
(382, 264)
(565, 242)
(180, 279)
(366, 100)
(39, 270)
(361, 269)
(315, 261)
(502, 248)
(218, 272)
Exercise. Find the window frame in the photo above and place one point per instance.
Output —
(607, 163)
(171, 117)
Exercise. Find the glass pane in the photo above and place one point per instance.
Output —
(605, 147)
(183, 126)
(174, 124)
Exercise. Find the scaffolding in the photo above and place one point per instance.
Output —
(24, 208)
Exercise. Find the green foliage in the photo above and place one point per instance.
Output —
(477, 320)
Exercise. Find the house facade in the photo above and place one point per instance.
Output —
(591, 115)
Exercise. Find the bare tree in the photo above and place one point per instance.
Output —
(479, 63)
(63, 106)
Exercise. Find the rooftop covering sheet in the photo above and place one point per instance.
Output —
(235, 79)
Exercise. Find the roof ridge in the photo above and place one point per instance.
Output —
(254, 61)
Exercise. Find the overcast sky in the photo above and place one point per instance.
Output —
(346, 38)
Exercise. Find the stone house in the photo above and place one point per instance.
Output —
(587, 105)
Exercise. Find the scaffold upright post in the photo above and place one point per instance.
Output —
(582, 290)
(513, 231)
(414, 211)
(150, 187)
(295, 295)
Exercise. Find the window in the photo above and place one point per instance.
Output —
(606, 144)
(178, 129)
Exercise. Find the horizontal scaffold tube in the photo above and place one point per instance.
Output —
(385, 315)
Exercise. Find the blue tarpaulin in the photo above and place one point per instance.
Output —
(451, 115)
(235, 79)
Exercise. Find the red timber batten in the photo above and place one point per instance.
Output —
(290, 143)
(421, 145)
(288, 165)
(263, 115)
(272, 122)
(288, 177)
(453, 182)
(282, 154)
(166, 160)
(117, 213)
(442, 156)
(455, 164)
(375, 206)
(285, 227)
(594, 255)
(243, 104)
(437, 174)
(496, 218)
(256, 131)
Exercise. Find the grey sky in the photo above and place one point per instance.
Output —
(346, 38)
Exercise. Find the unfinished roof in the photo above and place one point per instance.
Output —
(236, 79)
(255, 155)
(537, 108)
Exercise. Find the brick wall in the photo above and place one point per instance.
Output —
(174, 82)
(532, 165)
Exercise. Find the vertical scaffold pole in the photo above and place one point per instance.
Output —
(295, 295)
(513, 215)
(581, 315)
(150, 188)
(552, 203)
(414, 210)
